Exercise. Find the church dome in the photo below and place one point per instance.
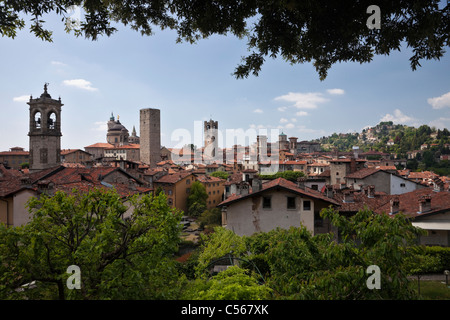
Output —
(118, 127)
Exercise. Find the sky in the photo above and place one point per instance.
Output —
(191, 83)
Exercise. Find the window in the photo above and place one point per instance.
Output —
(291, 202)
(188, 190)
(403, 185)
(267, 202)
(170, 201)
(188, 181)
(315, 187)
(169, 192)
(306, 205)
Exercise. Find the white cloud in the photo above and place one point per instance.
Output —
(100, 126)
(289, 126)
(58, 63)
(80, 83)
(282, 109)
(440, 123)
(440, 102)
(23, 98)
(301, 113)
(398, 117)
(309, 100)
(293, 120)
(284, 120)
(336, 91)
(258, 111)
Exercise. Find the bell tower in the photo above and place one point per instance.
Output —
(45, 131)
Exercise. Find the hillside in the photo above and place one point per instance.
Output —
(431, 145)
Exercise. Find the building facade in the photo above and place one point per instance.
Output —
(45, 131)
(150, 136)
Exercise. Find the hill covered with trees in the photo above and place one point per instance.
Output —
(422, 146)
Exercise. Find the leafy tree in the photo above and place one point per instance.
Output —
(211, 218)
(220, 174)
(321, 32)
(123, 250)
(231, 284)
(197, 198)
(298, 265)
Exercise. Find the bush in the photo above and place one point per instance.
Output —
(443, 253)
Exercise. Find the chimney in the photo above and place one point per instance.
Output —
(301, 182)
(424, 203)
(329, 191)
(352, 165)
(348, 196)
(395, 205)
(25, 181)
(256, 184)
(371, 191)
(242, 188)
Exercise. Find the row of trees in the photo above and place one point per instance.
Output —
(127, 251)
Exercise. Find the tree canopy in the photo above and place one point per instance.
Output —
(320, 31)
(119, 256)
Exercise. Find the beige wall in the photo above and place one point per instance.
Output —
(21, 214)
(248, 216)
(435, 237)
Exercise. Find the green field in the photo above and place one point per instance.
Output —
(432, 290)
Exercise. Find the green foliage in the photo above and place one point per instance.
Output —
(197, 198)
(288, 175)
(297, 265)
(220, 174)
(231, 284)
(122, 249)
(210, 218)
(323, 33)
(217, 245)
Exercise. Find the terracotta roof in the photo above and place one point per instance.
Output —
(283, 184)
(409, 203)
(174, 177)
(14, 153)
(294, 162)
(362, 173)
(126, 146)
(207, 178)
(100, 145)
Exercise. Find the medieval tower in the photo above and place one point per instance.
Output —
(211, 130)
(45, 131)
(150, 136)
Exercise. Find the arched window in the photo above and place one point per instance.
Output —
(51, 121)
(37, 120)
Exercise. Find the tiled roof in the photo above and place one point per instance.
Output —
(100, 145)
(207, 178)
(66, 179)
(284, 184)
(363, 173)
(409, 203)
(174, 177)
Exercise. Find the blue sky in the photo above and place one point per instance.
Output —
(127, 72)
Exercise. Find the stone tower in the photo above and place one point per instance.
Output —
(211, 129)
(150, 136)
(45, 131)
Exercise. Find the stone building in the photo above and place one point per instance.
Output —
(150, 136)
(14, 158)
(117, 134)
(45, 131)
(210, 129)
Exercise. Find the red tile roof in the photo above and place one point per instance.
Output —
(174, 177)
(100, 145)
(283, 184)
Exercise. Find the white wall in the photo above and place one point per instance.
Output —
(248, 216)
